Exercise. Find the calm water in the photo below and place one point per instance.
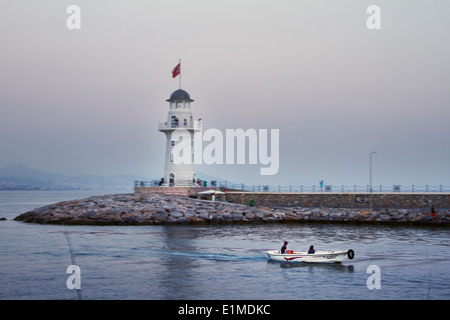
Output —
(213, 262)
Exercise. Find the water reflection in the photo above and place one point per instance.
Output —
(178, 270)
(339, 267)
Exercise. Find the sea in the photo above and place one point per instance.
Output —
(212, 262)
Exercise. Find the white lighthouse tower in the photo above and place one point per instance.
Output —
(180, 126)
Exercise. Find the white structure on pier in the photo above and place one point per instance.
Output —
(179, 122)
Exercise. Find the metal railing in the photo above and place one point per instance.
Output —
(156, 183)
(314, 188)
(173, 126)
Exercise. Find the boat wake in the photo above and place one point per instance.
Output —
(207, 256)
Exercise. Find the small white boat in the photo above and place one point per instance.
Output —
(318, 256)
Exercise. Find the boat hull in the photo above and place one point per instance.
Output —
(320, 256)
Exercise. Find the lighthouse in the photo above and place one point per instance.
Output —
(179, 128)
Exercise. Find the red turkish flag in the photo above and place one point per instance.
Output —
(176, 71)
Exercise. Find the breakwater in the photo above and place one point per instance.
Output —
(343, 199)
(156, 209)
(400, 200)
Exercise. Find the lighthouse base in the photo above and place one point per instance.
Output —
(175, 191)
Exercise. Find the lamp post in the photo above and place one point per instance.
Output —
(370, 167)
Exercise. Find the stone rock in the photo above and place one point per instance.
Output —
(160, 217)
(87, 214)
(176, 214)
(130, 219)
(227, 217)
(250, 215)
(183, 220)
(237, 217)
(269, 219)
(189, 213)
(279, 215)
(171, 219)
(198, 219)
(168, 208)
(215, 218)
(204, 215)
(335, 214)
(267, 214)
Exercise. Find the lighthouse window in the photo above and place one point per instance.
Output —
(172, 143)
(171, 157)
(174, 122)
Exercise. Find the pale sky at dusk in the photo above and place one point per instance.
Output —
(89, 101)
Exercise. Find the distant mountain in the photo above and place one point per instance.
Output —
(22, 171)
(18, 176)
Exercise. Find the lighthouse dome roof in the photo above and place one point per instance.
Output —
(180, 95)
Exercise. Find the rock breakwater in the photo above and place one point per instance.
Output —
(155, 209)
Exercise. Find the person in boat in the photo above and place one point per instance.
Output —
(311, 249)
(284, 247)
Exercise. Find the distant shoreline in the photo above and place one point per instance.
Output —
(159, 209)
(29, 188)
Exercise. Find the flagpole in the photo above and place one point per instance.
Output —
(180, 73)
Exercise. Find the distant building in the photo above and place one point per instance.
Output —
(179, 117)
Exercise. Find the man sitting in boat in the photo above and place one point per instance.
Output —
(311, 249)
(284, 247)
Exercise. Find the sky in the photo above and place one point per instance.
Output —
(88, 101)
